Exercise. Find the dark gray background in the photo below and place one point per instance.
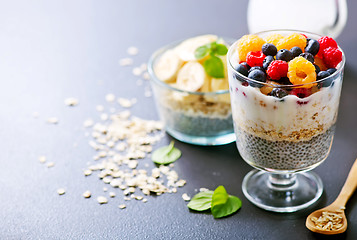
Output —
(51, 50)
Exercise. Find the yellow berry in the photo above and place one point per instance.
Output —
(273, 38)
(301, 71)
(290, 41)
(248, 43)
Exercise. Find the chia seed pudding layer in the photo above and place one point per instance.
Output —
(284, 155)
(195, 115)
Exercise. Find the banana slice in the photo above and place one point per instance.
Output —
(218, 84)
(186, 50)
(167, 66)
(191, 77)
(206, 87)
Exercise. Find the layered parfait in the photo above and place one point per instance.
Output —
(190, 85)
(285, 89)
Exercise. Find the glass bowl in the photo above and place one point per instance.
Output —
(200, 118)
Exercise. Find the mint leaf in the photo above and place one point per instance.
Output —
(166, 155)
(201, 201)
(214, 67)
(221, 49)
(202, 52)
(220, 196)
(229, 207)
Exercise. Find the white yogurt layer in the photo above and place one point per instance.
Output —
(277, 119)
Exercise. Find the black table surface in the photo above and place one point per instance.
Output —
(51, 50)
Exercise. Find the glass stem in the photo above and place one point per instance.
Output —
(282, 181)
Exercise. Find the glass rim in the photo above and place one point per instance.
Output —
(231, 49)
(171, 45)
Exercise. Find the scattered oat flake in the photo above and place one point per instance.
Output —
(102, 200)
(52, 120)
(42, 159)
(104, 117)
(105, 189)
(50, 164)
(137, 71)
(125, 102)
(186, 197)
(61, 191)
(87, 194)
(88, 123)
(122, 206)
(132, 51)
(112, 194)
(110, 97)
(144, 200)
(146, 76)
(71, 101)
(99, 108)
(126, 62)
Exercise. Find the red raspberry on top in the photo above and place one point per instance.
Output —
(277, 69)
(326, 42)
(255, 58)
(332, 57)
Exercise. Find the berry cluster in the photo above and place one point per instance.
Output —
(290, 60)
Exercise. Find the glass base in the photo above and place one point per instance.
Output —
(282, 192)
(203, 140)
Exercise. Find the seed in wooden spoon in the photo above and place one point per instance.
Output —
(328, 221)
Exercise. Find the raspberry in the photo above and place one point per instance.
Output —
(301, 71)
(301, 92)
(319, 62)
(326, 42)
(248, 43)
(277, 69)
(293, 40)
(332, 57)
(273, 38)
(255, 58)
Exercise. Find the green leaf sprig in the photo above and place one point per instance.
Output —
(166, 155)
(213, 65)
(219, 201)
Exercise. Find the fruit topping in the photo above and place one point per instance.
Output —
(332, 57)
(191, 77)
(322, 75)
(284, 55)
(257, 75)
(317, 69)
(301, 71)
(277, 69)
(308, 56)
(326, 42)
(269, 49)
(267, 61)
(296, 51)
(245, 64)
(248, 43)
(319, 62)
(290, 41)
(278, 92)
(301, 92)
(255, 58)
(242, 69)
(256, 67)
(273, 38)
(312, 46)
(331, 70)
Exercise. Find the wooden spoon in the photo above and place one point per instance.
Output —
(338, 205)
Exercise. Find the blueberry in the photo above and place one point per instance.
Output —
(322, 75)
(269, 49)
(284, 55)
(312, 46)
(266, 62)
(278, 92)
(308, 56)
(245, 64)
(331, 70)
(256, 67)
(242, 69)
(296, 51)
(317, 69)
(257, 75)
(285, 81)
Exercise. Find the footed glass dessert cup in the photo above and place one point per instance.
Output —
(283, 137)
(195, 117)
